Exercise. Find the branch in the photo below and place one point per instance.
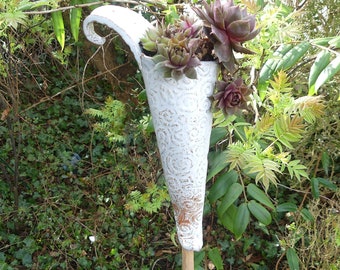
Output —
(92, 4)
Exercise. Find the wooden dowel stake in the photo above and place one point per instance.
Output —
(187, 259)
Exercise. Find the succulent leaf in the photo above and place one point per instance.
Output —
(229, 26)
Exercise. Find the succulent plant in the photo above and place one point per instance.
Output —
(173, 47)
(179, 47)
(231, 97)
(228, 26)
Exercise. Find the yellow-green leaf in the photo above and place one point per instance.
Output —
(75, 16)
(58, 27)
(293, 56)
(327, 73)
(321, 61)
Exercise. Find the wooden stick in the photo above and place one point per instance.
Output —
(187, 259)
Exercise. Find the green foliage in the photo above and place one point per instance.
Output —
(287, 56)
(113, 116)
(273, 174)
(59, 28)
(151, 201)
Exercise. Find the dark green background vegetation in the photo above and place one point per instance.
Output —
(81, 183)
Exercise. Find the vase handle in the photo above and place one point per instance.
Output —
(130, 25)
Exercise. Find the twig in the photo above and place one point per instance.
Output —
(49, 98)
(89, 5)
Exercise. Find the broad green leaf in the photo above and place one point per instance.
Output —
(261, 213)
(217, 134)
(315, 187)
(228, 218)
(216, 258)
(328, 73)
(24, 6)
(229, 198)
(58, 26)
(269, 67)
(293, 259)
(286, 207)
(259, 195)
(221, 185)
(198, 258)
(217, 162)
(307, 215)
(293, 56)
(321, 61)
(241, 221)
(75, 16)
(322, 41)
(325, 161)
(335, 42)
(327, 183)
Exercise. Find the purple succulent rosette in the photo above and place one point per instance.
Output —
(228, 26)
(231, 97)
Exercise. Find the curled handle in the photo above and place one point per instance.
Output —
(130, 25)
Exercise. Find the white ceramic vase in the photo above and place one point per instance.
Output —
(182, 120)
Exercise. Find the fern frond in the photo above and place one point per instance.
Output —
(113, 117)
(238, 154)
(264, 169)
(95, 112)
(288, 130)
(264, 124)
(281, 83)
(295, 168)
(309, 107)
